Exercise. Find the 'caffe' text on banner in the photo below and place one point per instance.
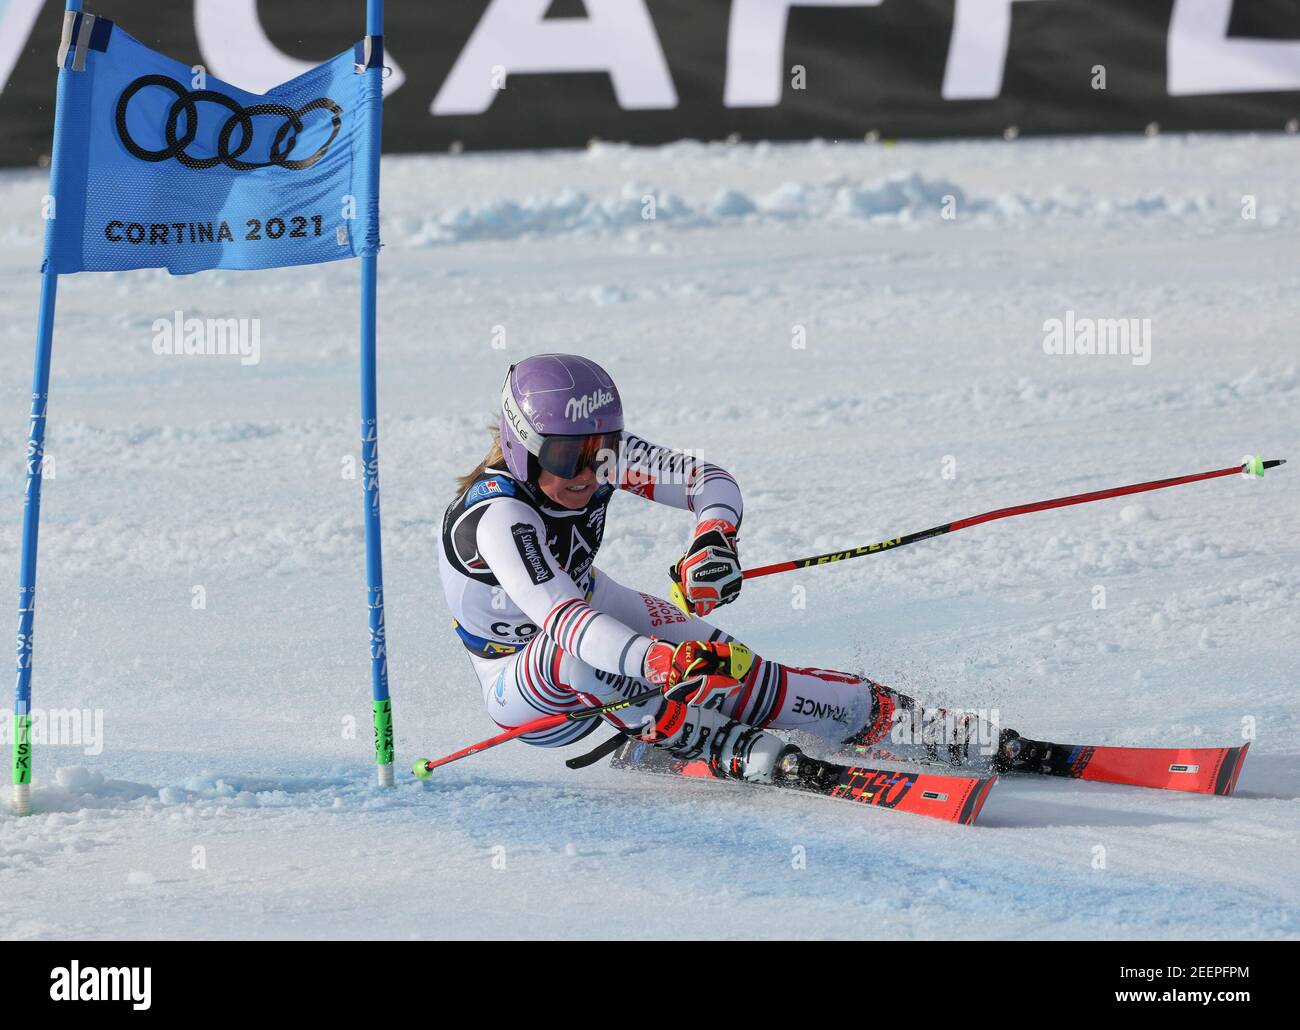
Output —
(157, 165)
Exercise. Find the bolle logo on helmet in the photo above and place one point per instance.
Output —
(583, 406)
(514, 416)
(240, 119)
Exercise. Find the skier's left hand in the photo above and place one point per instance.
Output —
(709, 573)
(698, 672)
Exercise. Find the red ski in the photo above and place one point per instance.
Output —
(1201, 770)
(953, 798)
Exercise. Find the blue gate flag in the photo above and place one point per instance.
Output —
(157, 165)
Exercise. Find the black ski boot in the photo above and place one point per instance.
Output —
(1020, 754)
(795, 769)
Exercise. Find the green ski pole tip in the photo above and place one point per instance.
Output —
(1254, 467)
(420, 769)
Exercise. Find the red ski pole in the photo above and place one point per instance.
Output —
(424, 766)
(1255, 466)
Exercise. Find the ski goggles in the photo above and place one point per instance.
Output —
(566, 456)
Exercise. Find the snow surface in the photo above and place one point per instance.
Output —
(230, 799)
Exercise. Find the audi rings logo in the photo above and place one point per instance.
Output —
(236, 134)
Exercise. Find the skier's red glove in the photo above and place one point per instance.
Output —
(709, 573)
(698, 672)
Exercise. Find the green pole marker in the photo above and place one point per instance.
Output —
(1255, 467)
(22, 749)
(22, 763)
(383, 711)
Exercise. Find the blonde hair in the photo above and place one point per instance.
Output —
(494, 458)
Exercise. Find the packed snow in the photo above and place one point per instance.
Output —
(856, 331)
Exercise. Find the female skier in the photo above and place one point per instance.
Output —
(548, 632)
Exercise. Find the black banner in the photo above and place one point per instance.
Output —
(484, 74)
(1051, 982)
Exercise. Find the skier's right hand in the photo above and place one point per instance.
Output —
(698, 672)
(708, 574)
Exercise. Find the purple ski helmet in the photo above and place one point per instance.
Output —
(558, 411)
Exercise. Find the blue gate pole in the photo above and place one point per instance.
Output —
(382, 706)
(35, 455)
(22, 747)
